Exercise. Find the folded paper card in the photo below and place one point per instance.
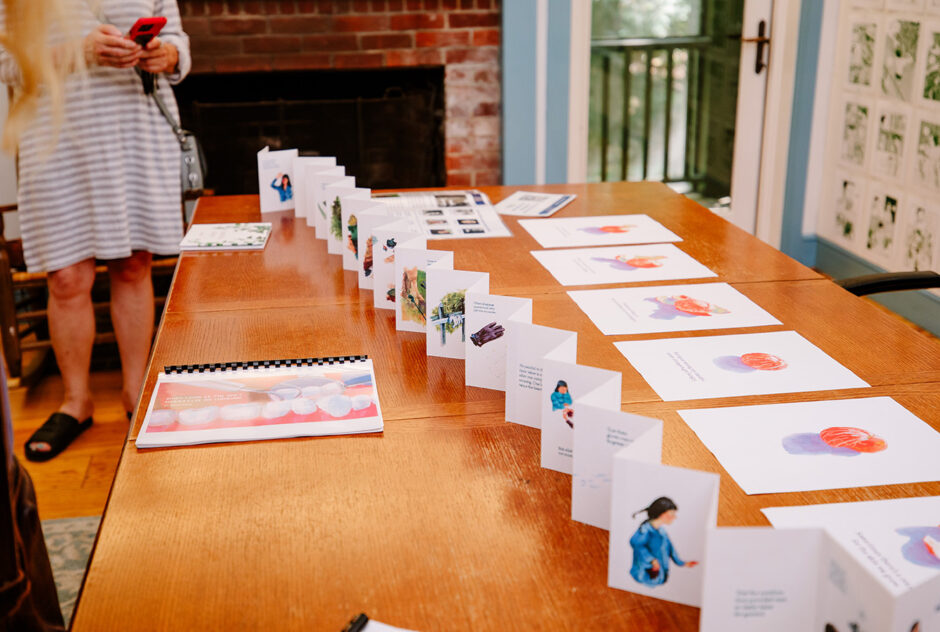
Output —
(527, 350)
(741, 364)
(601, 230)
(315, 181)
(819, 445)
(599, 434)
(368, 247)
(490, 321)
(275, 179)
(446, 303)
(387, 240)
(411, 267)
(337, 237)
(301, 167)
(355, 207)
(664, 308)
(659, 519)
(779, 580)
(565, 387)
(620, 264)
(897, 540)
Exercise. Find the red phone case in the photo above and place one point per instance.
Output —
(145, 29)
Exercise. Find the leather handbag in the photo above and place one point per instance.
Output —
(193, 168)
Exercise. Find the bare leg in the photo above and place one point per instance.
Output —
(132, 317)
(72, 331)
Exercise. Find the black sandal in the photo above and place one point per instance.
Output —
(59, 431)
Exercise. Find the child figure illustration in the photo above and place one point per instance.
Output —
(651, 545)
(282, 185)
(561, 400)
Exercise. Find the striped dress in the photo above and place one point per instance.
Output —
(105, 180)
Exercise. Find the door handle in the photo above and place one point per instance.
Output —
(761, 40)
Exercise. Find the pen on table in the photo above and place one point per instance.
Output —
(357, 624)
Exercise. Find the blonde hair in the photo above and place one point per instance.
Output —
(42, 66)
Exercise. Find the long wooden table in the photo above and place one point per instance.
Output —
(445, 521)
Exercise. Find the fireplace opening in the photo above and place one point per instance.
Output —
(385, 126)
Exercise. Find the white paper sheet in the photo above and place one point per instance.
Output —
(620, 264)
(369, 221)
(819, 445)
(601, 230)
(490, 321)
(446, 331)
(301, 166)
(633, 540)
(532, 204)
(275, 179)
(598, 435)
(890, 538)
(315, 181)
(664, 308)
(740, 364)
(565, 387)
(388, 239)
(337, 241)
(447, 214)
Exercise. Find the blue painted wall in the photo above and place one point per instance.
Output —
(519, 90)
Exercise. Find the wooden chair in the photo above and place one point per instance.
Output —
(23, 315)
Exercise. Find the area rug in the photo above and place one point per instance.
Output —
(69, 541)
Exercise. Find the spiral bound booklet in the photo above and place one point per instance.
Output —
(253, 401)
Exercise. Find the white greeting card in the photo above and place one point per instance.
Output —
(314, 181)
(411, 266)
(819, 445)
(332, 208)
(490, 321)
(447, 332)
(693, 307)
(660, 516)
(565, 387)
(740, 364)
(599, 434)
(369, 221)
(897, 540)
(778, 580)
(387, 240)
(620, 264)
(354, 207)
(275, 185)
(300, 167)
(762, 579)
(527, 350)
(532, 204)
(600, 230)
(338, 235)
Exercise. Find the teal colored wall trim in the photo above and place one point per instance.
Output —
(792, 240)
(519, 90)
(518, 71)
(922, 308)
(558, 91)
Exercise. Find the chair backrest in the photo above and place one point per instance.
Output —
(891, 282)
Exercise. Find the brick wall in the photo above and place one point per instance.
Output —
(463, 35)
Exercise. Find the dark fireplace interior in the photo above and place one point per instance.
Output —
(385, 126)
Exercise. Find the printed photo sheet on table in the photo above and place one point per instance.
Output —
(533, 204)
(620, 264)
(794, 447)
(736, 365)
(693, 307)
(602, 230)
(897, 540)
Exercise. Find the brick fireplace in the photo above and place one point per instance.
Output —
(462, 36)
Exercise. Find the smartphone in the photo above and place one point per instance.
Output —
(145, 29)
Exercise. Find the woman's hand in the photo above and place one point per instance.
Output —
(158, 56)
(107, 46)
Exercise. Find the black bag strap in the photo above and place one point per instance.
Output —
(180, 133)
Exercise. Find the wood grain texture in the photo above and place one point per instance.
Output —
(444, 521)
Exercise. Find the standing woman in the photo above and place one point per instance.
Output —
(99, 178)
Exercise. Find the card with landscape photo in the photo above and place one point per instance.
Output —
(411, 266)
(447, 330)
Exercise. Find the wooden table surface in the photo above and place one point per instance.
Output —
(444, 521)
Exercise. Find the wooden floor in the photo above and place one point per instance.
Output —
(76, 483)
